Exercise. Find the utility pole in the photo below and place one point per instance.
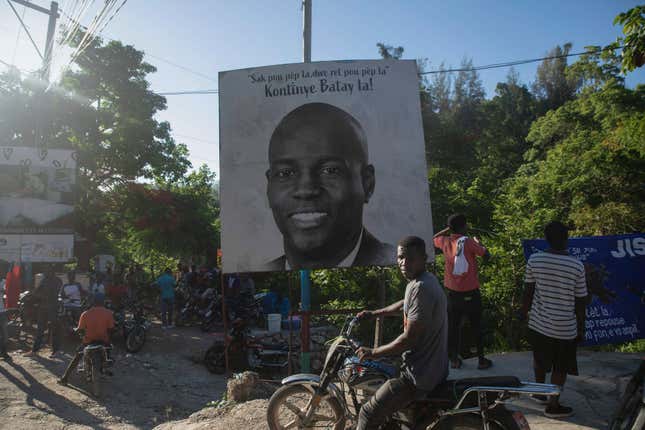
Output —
(53, 15)
(306, 30)
(305, 275)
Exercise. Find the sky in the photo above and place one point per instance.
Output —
(191, 41)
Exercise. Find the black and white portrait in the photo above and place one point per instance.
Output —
(322, 165)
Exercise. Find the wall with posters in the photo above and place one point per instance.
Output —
(322, 165)
(37, 193)
(617, 264)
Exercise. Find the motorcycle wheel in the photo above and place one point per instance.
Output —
(135, 339)
(96, 375)
(215, 360)
(499, 418)
(290, 401)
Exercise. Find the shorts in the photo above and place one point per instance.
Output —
(554, 354)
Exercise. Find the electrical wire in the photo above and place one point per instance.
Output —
(112, 17)
(519, 62)
(26, 29)
(179, 93)
(466, 69)
(15, 48)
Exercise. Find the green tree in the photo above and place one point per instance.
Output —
(176, 220)
(633, 22)
(552, 86)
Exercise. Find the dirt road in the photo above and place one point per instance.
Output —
(158, 384)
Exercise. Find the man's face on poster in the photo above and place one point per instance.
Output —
(318, 182)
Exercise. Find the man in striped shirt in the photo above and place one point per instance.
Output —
(555, 300)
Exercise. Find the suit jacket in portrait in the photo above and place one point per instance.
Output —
(372, 252)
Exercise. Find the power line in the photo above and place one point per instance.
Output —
(163, 60)
(25, 27)
(180, 93)
(463, 69)
(15, 48)
(212, 142)
(518, 62)
(179, 66)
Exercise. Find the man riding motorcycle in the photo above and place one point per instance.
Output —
(423, 343)
(97, 322)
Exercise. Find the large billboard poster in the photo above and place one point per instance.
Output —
(322, 165)
(615, 265)
(37, 192)
(44, 248)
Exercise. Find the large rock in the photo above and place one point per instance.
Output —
(247, 386)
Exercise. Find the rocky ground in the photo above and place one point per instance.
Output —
(163, 387)
(593, 395)
(158, 384)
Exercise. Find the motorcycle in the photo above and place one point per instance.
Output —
(212, 313)
(248, 352)
(95, 364)
(28, 305)
(133, 328)
(191, 311)
(335, 396)
(630, 414)
(68, 315)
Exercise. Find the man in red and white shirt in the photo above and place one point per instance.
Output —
(462, 282)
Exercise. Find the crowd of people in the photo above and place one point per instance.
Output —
(554, 303)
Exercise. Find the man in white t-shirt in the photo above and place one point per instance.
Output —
(555, 298)
(71, 292)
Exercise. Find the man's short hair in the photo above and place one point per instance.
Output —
(457, 222)
(168, 270)
(413, 242)
(557, 234)
(99, 299)
(337, 123)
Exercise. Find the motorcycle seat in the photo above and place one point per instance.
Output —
(274, 346)
(450, 391)
(93, 347)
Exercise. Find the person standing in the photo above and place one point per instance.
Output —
(462, 282)
(166, 283)
(47, 294)
(555, 299)
(4, 334)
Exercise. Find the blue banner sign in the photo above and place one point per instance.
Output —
(615, 272)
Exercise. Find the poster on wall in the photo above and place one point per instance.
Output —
(37, 190)
(37, 248)
(322, 165)
(615, 267)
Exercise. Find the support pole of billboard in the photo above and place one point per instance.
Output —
(305, 278)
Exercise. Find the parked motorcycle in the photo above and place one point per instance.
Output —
(133, 328)
(28, 305)
(95, 364)
(248, 352)
(191, 312)
(335, 396)
(630, 414)
(212, 314)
